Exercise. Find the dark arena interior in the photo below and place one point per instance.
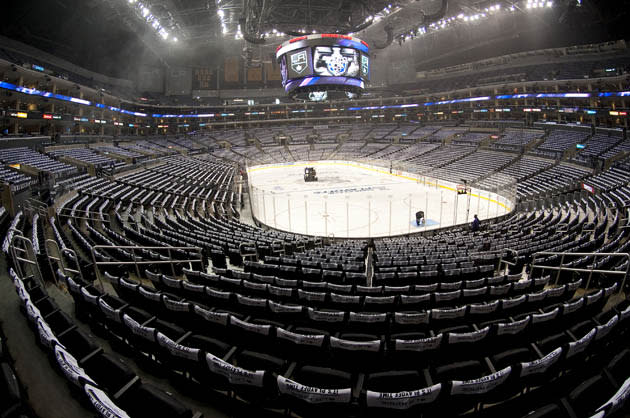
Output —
(306, 208)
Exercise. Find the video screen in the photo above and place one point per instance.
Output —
(335, 61)
(325, 59)
(283, 70)
(365, 67)
(299, 63)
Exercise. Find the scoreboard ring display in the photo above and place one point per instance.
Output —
(324, 66)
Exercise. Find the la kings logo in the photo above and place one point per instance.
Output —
(298, 62)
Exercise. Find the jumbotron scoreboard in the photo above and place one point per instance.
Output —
(324, 66)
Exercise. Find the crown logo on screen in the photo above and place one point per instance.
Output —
(336, 63)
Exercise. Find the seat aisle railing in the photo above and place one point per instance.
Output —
(561, 267)
(138, 261)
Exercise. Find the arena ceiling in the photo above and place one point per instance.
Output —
(109, 35)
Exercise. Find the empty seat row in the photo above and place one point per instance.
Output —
(279, 314)
(374, 290)
(220, 291)
(271, 381)
(106, 383)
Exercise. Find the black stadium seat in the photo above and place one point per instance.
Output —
(148, 400)
(110, 372)
(436, 320)
(336, 401)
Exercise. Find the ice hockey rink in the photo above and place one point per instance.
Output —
(358, 200)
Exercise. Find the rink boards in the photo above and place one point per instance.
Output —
(358, 200)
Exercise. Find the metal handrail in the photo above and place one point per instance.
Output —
(32, 203)
(35, 205)
(581, 270)
(277, 247)
(537, 228)
(624, 222)
(32, 200)
(300, 245)
(136, 262)
(43, 213)
(507, 263)
(563, 227)
(242, 249)
(489, 252)
(58, 257)
(90, 212)
(30, 254)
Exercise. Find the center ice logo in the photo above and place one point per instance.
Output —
(350, 190)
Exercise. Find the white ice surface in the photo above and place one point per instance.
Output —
(357, 202)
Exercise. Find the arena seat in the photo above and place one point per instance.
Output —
(275, 330)
(336, 400)
(147, 399)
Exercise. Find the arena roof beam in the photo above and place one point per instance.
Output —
(139, 28)
(305, 16)
(166, 11)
